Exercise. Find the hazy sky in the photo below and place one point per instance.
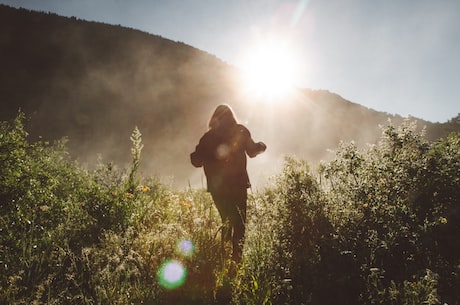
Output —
(397, 56)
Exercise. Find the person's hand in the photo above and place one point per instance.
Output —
(262, 145)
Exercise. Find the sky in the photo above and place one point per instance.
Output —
(395, 56)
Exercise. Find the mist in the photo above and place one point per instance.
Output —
(94, 83)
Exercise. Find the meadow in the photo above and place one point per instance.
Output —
(373, 226)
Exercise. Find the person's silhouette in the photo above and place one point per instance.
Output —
(222, 152)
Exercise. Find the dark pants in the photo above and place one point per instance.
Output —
(231, 204)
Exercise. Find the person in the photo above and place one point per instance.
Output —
(222, 151)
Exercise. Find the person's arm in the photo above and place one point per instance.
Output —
(197, 157)
(253, 148)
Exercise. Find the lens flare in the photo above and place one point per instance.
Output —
(185, 247)
(172, 274)
(222, 151)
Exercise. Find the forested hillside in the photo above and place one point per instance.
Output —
(93, 83)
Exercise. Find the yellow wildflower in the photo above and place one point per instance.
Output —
(143, 188)
(186, 203)
(443, 220)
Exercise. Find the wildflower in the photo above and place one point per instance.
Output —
(129, 195)
(186, 203)
(443, 220)
(143, 188)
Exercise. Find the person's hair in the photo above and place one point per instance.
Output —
(223, 116)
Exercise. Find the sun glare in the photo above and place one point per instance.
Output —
(270, 71)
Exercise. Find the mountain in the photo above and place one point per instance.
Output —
(94, 82)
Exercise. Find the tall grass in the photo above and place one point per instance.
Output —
(379, 226)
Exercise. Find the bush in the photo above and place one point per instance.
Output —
(41, 214)
(374, 226)
(397, 196)
(292, 254)
(73, 236)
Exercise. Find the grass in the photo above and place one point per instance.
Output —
(378, 226)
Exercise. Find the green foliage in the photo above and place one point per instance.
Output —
(78, 237)
(418, 290)
(290, 232)
(378, 226)
(398, 197)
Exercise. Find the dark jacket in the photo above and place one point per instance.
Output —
(222, 153)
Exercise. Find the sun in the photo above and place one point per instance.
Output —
(270, 71)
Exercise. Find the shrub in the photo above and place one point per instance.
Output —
(388, 205)
(291, 255)
(41, 214)
(374, 226)
(52, 212)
